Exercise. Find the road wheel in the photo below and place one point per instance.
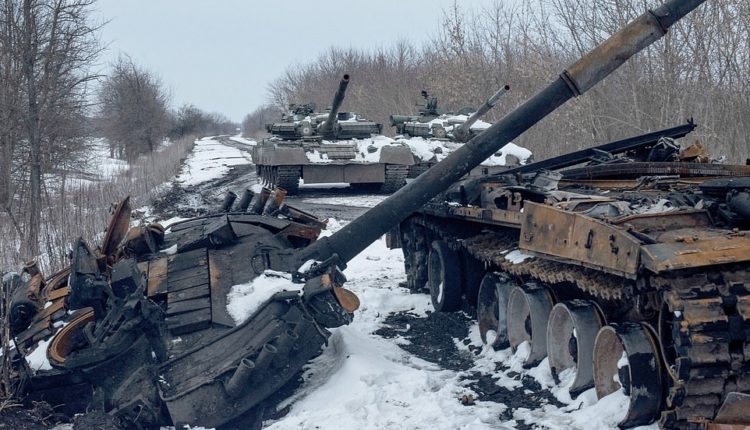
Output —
(444, 277)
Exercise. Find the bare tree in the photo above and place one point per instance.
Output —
(46, 49)
(133, 109)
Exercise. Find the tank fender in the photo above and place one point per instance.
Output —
(396, 154)
(275, 155)
(578, 239)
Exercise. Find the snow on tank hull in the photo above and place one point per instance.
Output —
(377, 161)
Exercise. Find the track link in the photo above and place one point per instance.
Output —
(395, 178)
(286, 177)
(704, 328)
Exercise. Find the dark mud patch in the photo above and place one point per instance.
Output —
(433, 338)
(197, 200)
(39, 415)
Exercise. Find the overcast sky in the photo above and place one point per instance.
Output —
(221, 54)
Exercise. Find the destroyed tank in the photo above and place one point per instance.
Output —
(433, 134)
(139, 328)
(332, 147)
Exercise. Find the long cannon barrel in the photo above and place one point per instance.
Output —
(400, 119)
(326, 129)
(489, 104)
(573, 82)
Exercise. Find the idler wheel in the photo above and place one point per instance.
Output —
(444, 277)
(571, 332)
(529, 307)
(492, 308)
(626, 358)
(69, 338)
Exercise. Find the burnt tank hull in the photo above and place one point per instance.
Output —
(634, 270)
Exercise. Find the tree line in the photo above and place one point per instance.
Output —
(700, 70)
(54, 103)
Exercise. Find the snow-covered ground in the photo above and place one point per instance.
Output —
(365, 381)
(210, 159)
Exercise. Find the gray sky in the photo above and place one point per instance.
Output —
(221, 54)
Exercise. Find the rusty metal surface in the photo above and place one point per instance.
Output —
(220, 266)
(735, 410)
(636, 170)
(157, 276)
(118, 227)
(499, 217)
(577, 238)
(686, 248)
(648, 223)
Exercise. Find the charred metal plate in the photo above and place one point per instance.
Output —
(56, 294)
(118, 227)
(647, 223)
(40, 327)
(490, 216)
(188, 294)
(190, 305)
(578, 239)
(189, 321)
(695, 249)
(157, 277)
(221, 281)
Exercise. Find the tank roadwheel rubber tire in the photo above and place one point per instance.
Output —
(571, 332)
(395, 178)
(415, 246)
(529, 307)
(473, 273)
(626, 357)
(287, 177)
(444, 277)
(492, 309)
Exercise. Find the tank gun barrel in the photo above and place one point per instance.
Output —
(326, 129)
(489, 104)
(573, 82)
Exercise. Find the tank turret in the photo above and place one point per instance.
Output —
(330, 147)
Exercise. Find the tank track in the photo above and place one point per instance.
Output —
(419, 168)
(395, 178)
(286, 177)
(707, 318)
(704, 327)
(492, 247)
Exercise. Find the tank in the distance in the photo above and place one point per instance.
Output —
(433, 133)
(330, 147)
